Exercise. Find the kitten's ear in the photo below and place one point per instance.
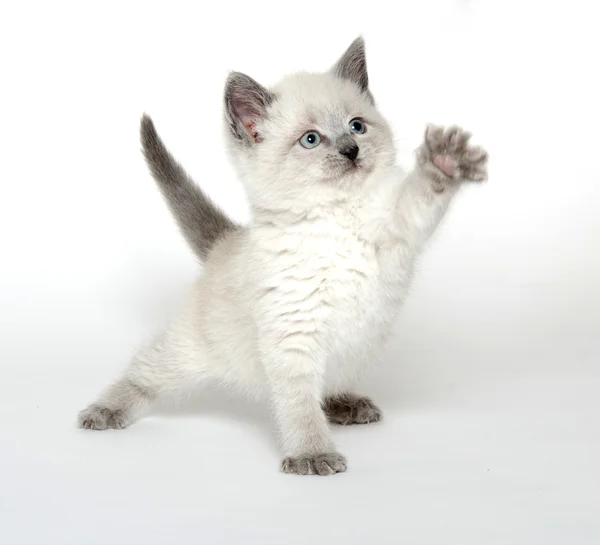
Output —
(246, 103)
(353, 65)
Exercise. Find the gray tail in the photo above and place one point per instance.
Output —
(200, 221)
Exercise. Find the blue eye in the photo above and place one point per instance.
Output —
(357, 126)
(310, 140)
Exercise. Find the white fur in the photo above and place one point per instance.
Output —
(298, 303)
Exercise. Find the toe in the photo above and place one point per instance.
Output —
(476, 155)
(459, 140)
(323, 468)
(318, 464)
(451, 136)
(434, 135)
(479, 175)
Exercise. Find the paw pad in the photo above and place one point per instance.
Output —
(449, 155)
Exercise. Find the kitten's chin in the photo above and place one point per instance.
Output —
(354, 173)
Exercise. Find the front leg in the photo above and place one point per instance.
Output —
(444, 161)
(295, 375)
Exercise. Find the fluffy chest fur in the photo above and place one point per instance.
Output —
(325, 276)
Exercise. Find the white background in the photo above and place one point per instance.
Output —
(490, 386)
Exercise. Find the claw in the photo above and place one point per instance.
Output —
(478, 176)
(476, 155)
(433, 134)
(451, 136)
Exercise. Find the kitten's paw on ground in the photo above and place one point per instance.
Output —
(97, 417)
(315, 464)
(446, 154)
(350, 409)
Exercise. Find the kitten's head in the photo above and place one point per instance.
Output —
(310, 133)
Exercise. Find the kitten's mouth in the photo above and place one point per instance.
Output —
(350, 171)
(353, 172)
(353, 166)
(358, 167)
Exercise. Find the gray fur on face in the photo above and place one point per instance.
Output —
(246, 103)
(299, 103)
(199, 219)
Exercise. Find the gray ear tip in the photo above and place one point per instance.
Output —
(233, 77)
(146, 119)
(358, 45)
(147, 129)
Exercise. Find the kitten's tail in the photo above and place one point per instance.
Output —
(200, 221)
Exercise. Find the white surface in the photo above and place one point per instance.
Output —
(490, 387)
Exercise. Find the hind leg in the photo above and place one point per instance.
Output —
(121, 404)
(163, 367)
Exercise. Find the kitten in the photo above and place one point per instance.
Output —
(296, 304)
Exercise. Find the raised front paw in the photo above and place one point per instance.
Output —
(447, 156)
(328, 463)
